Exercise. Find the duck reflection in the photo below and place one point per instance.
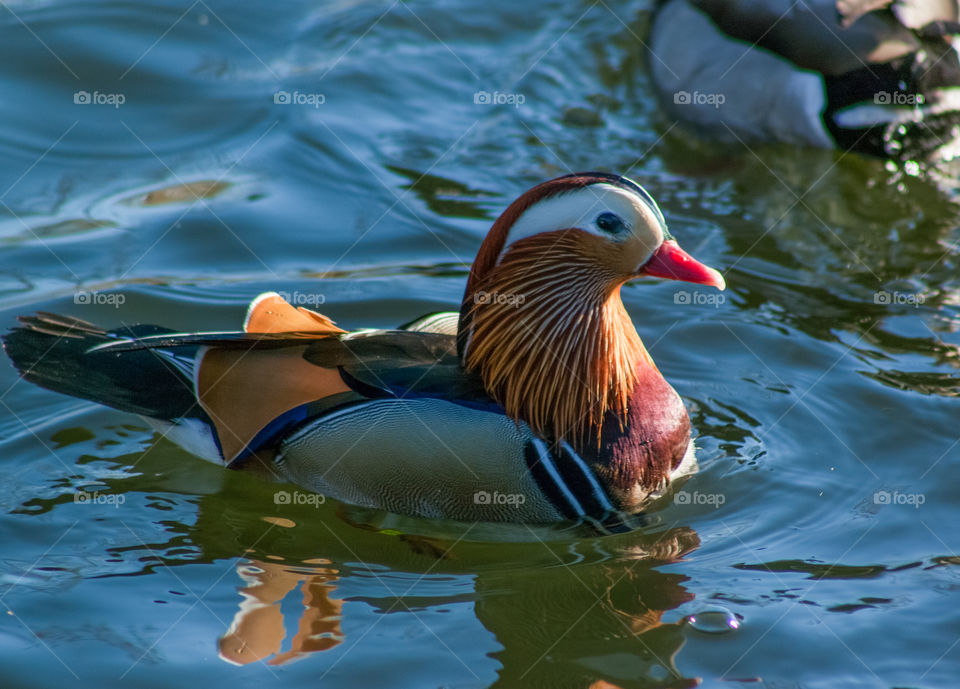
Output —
(258, 630)
(598, 624)
(593, 614)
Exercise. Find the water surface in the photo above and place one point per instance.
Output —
(822, 387)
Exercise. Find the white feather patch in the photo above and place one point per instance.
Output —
(193, 435)
(580, 208)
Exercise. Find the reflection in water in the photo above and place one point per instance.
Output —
(578, 624)
(558, 610)
(258, 629)
(446, 197)
(610, 607)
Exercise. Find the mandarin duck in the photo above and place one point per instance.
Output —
(876, 76)
(536, 403)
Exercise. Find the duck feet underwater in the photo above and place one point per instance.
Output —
(536, 403)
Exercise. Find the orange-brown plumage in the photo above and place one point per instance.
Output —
(551, 337)
(270, 313)
(227, 379)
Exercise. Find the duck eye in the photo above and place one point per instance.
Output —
(609, 222)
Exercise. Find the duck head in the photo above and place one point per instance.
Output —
(542, 321)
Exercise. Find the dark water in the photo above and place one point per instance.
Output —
(823, 388)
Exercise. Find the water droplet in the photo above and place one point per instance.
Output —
(715, 620)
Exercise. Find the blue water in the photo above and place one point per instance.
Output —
(820, 531)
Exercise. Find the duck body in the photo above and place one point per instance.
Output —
(426, 420)
(877, 76)
(490, 466)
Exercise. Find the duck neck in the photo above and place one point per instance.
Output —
(552, 342)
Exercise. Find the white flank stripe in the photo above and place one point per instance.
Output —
(547, 462)
(597, 488)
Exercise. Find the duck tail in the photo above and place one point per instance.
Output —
(53, 351)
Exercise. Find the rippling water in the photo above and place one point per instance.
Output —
(820, 536)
